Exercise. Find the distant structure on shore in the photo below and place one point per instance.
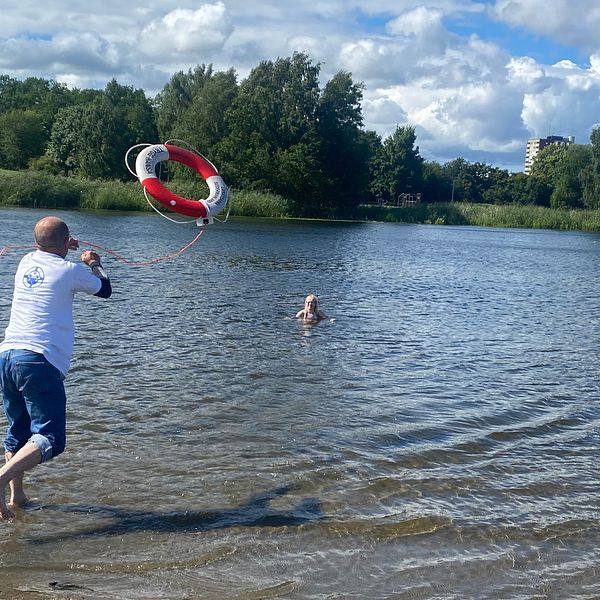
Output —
(536, 144)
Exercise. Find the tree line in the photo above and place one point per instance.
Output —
(279, 130)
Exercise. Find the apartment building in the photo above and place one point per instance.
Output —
(536, 144)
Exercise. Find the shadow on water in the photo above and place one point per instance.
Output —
(255, 512)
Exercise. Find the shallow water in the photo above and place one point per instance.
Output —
(439, 439)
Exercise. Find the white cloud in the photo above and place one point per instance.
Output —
(452, 89)
(421, 21)
(184, 32)
(526, 73)
(575, 23)
(77, 51)
(383, 112)
(569, 103)
(466, 95)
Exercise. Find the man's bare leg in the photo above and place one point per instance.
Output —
(17, 494)
(26, 458)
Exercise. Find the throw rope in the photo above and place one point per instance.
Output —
(131, 263)
(9, 247)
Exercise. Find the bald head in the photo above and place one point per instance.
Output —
(52, 235)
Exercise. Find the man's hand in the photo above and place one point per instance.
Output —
(73, 243)
(89, 257)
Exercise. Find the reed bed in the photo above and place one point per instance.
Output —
(36, 189)
(486, 215)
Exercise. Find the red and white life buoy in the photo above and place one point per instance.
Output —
(145, 170)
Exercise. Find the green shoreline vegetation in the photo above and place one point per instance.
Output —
(288, 145)
(35, 189)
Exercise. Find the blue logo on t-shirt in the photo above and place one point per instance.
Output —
(34, 276)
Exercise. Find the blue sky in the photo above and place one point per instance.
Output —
(476, 79)
(518, 41)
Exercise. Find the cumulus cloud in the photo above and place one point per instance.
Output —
(77, 52)
(184, 32)
(420, 22)
(454, 90)
(422, 64)
(568, 22)
(559, 99)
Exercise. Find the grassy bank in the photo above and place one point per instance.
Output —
(35, 189)
(487, 215)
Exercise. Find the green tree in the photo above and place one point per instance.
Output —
(528, 189)
(344, 149)
(568, 187)
(590, 176)
(437, 185)
(464, 187)
(538, 191)
(204, 124)
(545, 164)
(45, 97)
(177, 97)
(496, 189)
(65, 139)
(476, 182)
(398, 166)
(35, 103)
(373, 142)
(273, 113)
(22, 137)
(92, 139)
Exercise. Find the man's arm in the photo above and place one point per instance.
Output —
(106, 290)
(92, 260)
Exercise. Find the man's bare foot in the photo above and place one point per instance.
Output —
(4, 512)
(18, 499)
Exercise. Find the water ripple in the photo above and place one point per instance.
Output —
(438, 439)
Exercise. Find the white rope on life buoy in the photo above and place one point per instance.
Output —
(202, 210)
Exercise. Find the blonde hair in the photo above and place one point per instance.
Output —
(311, 297)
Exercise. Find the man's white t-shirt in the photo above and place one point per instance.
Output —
(41, 317)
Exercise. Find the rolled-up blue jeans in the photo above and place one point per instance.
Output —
(35, 402)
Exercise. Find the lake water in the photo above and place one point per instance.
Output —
(438, 439)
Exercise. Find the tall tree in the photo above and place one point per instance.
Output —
(35, 102)
(271, 120)
(345, 150)
(546, 163)
(65, 140)
(528, 189)
(568, 188)
(590, 176)
(177, 96)
(22, 137)
(92, 139)
(399, 166)
(437, 185)
(373, 141)
(496, 189)
(471, 181)
(204, 124)
(44, 96)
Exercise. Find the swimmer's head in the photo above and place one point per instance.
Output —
(311, 302)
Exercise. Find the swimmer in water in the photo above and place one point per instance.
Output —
(311, 311)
